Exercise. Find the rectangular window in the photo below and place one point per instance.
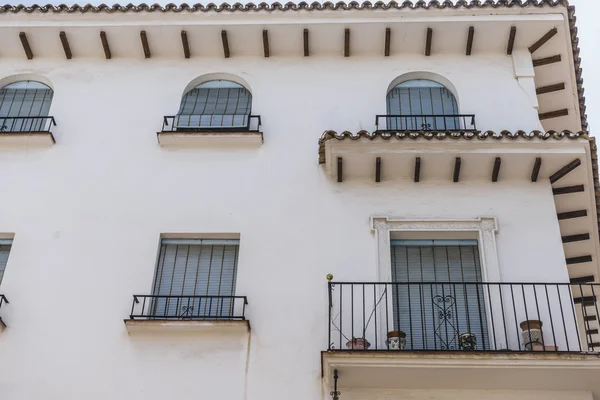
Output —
(195, 278)
(5, 245)
(446, 299)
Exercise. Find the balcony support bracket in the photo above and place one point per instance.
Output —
(335, 394)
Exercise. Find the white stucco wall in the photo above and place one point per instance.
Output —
(87, 215)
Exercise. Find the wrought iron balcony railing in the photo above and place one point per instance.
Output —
(446, 122)
(470, 316)
(211, 123)
(26, 124)
(189, 307)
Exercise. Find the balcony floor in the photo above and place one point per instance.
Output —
(463, 370)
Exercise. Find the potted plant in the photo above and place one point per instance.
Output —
(396, 340)
(467, 341)
(358, 344)
(531, 333)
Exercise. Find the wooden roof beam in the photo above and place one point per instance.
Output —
(542, 41)
(305, 37)
(576, 238)
(26, 46)
(105, 46)
(65, 45)
(417, 169)
(565, 170)
(496, 170)
(571, 214)
(456, 174)
(145, 44)
(470, 40)
(553, 114)
(550, 88)
(547, 60)
(568, 189)
(536, 169)
(225, 41)
(511, 40)
(186, 45)
(347, 42)
(388, 39)
(265, 37)
(428, 40)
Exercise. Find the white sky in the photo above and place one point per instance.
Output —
(587, 12)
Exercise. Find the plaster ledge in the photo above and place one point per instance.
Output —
(26, 139)
(210, 139)
(135, 326)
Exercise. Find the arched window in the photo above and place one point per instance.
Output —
(422, 104)
(24, 107)
(217, 104)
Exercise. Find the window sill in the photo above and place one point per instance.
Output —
(135, 326)
(26, 139)
(210, 139)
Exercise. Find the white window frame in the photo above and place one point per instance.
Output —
(482, 228)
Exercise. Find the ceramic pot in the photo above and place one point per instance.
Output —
(396, 340)
(358, 344)
(467, 341)
(532, 333)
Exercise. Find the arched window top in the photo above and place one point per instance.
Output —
(420, 83)
(215, 104)
(27, 85)
(422, 104)
(25, 99)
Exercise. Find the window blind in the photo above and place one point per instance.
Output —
(5, 245)
(419, 98)
(24, 99)
(196, 268)
(434, 315)
(215, 107)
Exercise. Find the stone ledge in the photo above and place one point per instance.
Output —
(210, 139)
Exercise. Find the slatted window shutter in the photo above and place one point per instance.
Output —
(214, 107)
(196, 267)
(434, 315)
(5, 245)
(421, 97)
(24, 99)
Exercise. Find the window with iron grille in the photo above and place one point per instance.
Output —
(5, 245)
(195, 278)
(422, 104)
(23, 105)
(218, 104)
(437, 310)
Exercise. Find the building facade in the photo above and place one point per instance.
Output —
(372, 201)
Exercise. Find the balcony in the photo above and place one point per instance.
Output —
(151, 313)
(417, 123)
(539, 336)
(211, 130)
(26, 131)
(3, 300)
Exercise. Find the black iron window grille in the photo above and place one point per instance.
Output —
(423, 105)
(214, 105)
(24, 107)
(544, 317)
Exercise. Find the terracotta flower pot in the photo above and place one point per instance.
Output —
(531, 324)
(358, 344)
